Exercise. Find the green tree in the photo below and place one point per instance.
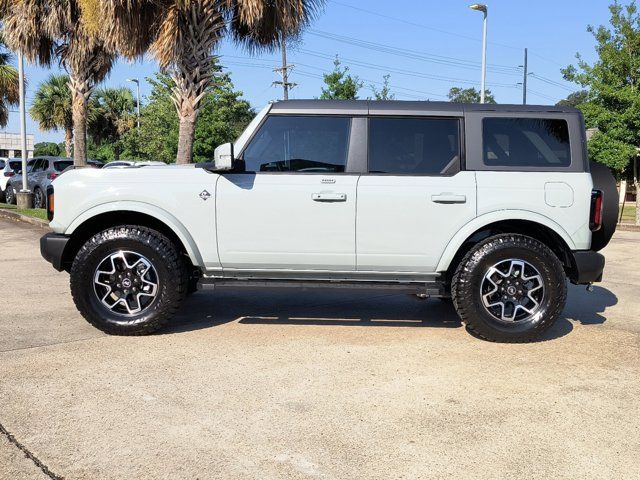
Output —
(47, 148)
(56, 31)
(51, 108)
(613, 82)
(9, 84)
(574, 99)
(469, 95)
(339, 85)
(223, 116)
(183, 36)
(383, 93)
(111, 115)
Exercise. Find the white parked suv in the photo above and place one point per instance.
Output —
(492, 206)
(9, 167)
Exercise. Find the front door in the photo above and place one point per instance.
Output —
(415, 198)
(292, 206)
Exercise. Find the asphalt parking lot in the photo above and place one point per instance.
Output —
(268, 384)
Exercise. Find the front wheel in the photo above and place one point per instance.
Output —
(128, 280)
(509, 288)
(10, 196)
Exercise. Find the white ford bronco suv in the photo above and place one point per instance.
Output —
(491, 206)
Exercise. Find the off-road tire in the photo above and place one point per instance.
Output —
(469, 274)
(163, 255)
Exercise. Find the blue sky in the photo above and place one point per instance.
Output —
(427, 46)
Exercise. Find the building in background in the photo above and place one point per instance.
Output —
(11, 145)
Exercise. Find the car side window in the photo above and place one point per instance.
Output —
(525, 142)
(30, 165)
(306, 144)
(413, 146)
(39, 166)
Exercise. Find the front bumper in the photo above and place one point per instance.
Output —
(52, 247)
(587, 267)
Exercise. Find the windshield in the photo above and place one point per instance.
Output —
(60, 166)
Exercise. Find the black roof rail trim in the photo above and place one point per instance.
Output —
(369, 107)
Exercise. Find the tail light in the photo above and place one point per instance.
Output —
(50, 202)
(52, 176)
(595, 217)
(9, 174)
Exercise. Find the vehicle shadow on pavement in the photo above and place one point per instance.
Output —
(588, 307)
(312, 308)
(330, 308)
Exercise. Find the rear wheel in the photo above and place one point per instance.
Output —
(38, 198)
(509, 288)
(128, 280)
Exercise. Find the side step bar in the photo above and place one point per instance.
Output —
(423, 289)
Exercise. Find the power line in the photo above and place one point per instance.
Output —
(552, 82)
(415, 55)
(446, 32)
(410, 73)
(420, 25)
(320, 77)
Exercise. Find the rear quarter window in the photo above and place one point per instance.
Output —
(60, 166)
(525, 142)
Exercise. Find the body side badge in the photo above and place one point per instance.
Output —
(204, 195)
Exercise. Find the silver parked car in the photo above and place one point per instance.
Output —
(132, 163)
(41, 171)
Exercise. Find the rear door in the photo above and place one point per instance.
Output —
(292, 204)
(415, 196)
(37, 172)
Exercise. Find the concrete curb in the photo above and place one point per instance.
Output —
(10, 215)
(628, 227)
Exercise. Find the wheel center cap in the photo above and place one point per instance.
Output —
(126, 283)
(511, 290)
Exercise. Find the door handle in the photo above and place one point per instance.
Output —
(329, 197)
(448, 198)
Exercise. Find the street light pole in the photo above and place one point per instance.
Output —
(137, 82)
(23, 122)
(482, 8)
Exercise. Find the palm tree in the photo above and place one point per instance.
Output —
(44, 30)
(52, 110)
(182, 36)
(9, 85)
(111, 116)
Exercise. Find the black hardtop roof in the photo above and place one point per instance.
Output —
(398, 107)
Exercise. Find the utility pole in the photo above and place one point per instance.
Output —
(284, 70)
(524, 81)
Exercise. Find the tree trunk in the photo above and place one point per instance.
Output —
(80, 92)
(185, 139)
(68, 141)
(194, 70)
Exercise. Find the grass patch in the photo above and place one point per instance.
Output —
(629, 214)
(40, 213)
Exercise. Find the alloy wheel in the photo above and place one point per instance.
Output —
(126, 283)
(512, 291)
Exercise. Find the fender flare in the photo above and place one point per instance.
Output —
(148, 209)
(492, 217)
